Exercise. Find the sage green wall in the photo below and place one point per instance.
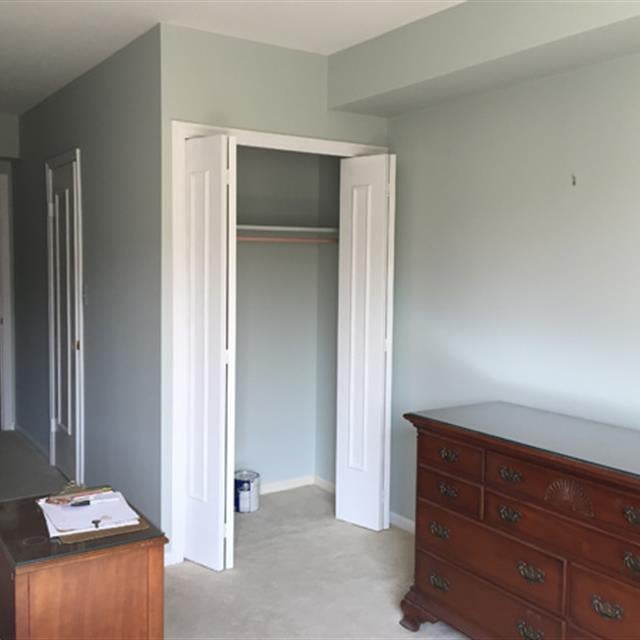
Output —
(512, 284)
(218, 80)
(112, 113)
(9, 136)
(287, 318)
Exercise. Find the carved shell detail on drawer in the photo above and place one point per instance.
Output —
(570, 495)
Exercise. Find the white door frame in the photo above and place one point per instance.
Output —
(50, 165)
(7, 345)
(173, 313)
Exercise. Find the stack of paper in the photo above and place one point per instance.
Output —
(107, 510)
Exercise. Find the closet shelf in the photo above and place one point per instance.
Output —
(279, 233)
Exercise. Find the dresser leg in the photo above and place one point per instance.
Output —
(414, 612)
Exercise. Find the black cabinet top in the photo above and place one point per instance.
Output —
(24, 537)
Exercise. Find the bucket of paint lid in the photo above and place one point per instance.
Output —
(247, 485)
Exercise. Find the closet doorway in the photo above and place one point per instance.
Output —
(282, 279)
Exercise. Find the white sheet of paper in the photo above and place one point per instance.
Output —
(109, 509)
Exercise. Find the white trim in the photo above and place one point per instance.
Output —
(7, 340)
(402, 523)
(230, 434)
(72, 156)
(281, 142)
(391, 213)
(325, 485)
(171, 557)
(172, 250)
(286, 485)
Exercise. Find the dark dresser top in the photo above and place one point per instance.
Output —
(604, 445)
(24, 537)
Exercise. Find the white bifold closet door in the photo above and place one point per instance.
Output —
(210, 239)
(365, 274)
(367, 197)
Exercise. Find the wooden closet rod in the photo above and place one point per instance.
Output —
(287, 240)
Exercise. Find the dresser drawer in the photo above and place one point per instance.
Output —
(450, 456)
(518, 567)
(450, 492)
(574, 633)
(481, 604)
(575, 540)
(564, 493)
(605, 607)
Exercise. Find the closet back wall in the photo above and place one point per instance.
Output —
(287, 318)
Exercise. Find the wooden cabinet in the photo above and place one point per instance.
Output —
(516, 538)
(108, 588)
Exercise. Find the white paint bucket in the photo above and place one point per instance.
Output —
(247, 491)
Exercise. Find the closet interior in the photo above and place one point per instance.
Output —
(287, 312)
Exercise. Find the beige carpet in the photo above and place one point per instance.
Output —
(299, 574)
(24, 471)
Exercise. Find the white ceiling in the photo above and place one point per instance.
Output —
(45, 44)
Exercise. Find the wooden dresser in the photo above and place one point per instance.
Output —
(107, 589)
(527, 525)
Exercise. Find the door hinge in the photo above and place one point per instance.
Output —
(227, 176)
(77, 345)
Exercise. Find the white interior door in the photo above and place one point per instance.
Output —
(65, 314)
(367, 198)
(211, 292)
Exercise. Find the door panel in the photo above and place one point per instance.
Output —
(208, 290)
(364, 328)
(65, 314)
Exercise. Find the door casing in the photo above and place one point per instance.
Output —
(7, 357)
(173, 317)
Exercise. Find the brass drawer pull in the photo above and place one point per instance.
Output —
(438, 582)
(632, 562)
(606, 609)
(448, 455)
(530, 573)
(439, 530)
(632, 515)
(510, 475)
(529, 633)
(447, 490)
(508, 514)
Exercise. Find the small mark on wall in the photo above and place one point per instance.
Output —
(574, 180)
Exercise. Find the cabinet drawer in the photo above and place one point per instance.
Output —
(450, 456)
(530, 573)
(450, 492)
(564, 493)
(480, 603)
(571, 538)
(603, 606)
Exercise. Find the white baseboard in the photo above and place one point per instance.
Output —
(296, 483)
(402, 523)
(285, 485)
(325, 485)
(32, 442)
